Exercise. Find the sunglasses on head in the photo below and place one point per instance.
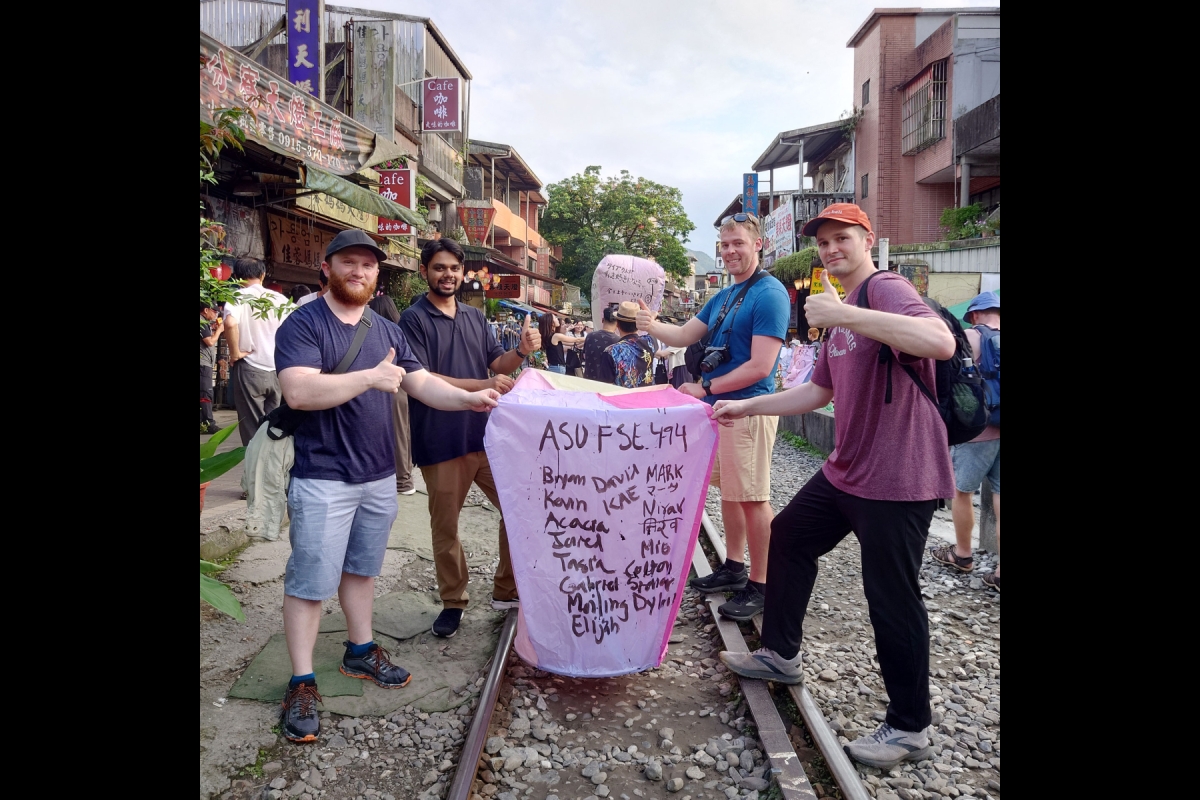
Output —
(739, 218)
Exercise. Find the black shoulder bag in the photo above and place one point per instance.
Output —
(695, 351)
(284, 420)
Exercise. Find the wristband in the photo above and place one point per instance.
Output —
(522, 355)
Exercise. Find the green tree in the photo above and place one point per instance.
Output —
(591, 217)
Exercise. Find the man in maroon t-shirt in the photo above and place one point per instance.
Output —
(883, 479)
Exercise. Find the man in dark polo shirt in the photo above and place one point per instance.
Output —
(453, 341)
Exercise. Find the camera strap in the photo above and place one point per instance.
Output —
(737, 304)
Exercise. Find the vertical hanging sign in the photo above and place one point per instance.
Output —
(396, 185)
(374, 77)
(306, 46)
(750, 193)
(441, 104)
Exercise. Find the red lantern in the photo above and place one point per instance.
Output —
(221, 273)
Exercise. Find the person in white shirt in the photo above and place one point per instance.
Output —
(308, 298)
(251, 338)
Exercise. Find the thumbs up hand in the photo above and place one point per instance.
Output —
(531, 339)
(645, 317)
(387, 376)
(826, 309)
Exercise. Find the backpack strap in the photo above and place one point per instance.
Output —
(885, 352)
(360, 334)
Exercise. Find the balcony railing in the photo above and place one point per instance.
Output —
(810, 204)
(442, 160)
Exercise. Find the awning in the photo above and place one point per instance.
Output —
(505, 267)
(515, 306)
(357, 197)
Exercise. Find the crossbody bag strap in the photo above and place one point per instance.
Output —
(360, 334)
(737, 300)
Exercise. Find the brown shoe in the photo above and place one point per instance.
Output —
(946, 555)
(992, 580)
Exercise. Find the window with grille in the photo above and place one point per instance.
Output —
(866, 91)
(923, 116)
(864, 187)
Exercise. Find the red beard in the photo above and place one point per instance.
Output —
(348, 295)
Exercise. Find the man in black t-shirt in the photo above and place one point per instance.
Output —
(594, 359)
(453, 341)
(342, 497)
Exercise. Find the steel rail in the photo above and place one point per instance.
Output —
(785, 764)
(468, 759)
(839, 764)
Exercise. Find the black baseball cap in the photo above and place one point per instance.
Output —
(354, 238)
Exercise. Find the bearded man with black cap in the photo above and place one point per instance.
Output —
(342, 498)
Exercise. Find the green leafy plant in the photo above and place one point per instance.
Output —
(796, 265)
(212, 465)
(217, 594)
(962, 223)
(405, 287)
(591, 216)
(224, 131)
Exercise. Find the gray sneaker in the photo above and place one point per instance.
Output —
(764, 664)
(887, 747)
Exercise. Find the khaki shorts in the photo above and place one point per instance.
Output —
(742, 468)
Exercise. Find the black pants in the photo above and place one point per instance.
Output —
(206, 393)
(892, 537)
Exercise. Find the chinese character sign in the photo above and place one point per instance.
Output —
(306, 49)
(476, 220)
(505, 287)
(395, 185)
(374, 77)
(441, 101)
(785, 229)
(602, 499)
(543, 261)
(297, 243)
(818, 287)
(750, 192)
(286, 119)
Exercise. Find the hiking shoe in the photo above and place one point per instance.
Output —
(992, 580)
(209, 428)
(375, 665)
(299, 714)
(764, 664)
(887, 747)
(723, 580)
(744, 605)
(446, 625)
(504, 605)
(946, 555)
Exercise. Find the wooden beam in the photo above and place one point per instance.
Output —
(252, 50)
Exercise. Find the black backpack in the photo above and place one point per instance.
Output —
(960, 393)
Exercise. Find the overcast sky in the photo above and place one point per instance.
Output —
(683, 92)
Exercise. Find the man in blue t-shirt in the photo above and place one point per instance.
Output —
(342, 498)
(749, 320)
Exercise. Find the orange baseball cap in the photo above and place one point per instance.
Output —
(838, 212)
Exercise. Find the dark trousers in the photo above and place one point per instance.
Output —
(892, 538)
(256, 393)
(206, 393)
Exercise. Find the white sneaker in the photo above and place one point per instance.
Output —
(764, 664)
(504, 605)
(409, 491)
(887, 747)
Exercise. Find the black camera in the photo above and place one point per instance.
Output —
(713, 358)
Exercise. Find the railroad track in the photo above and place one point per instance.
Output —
(786, 768)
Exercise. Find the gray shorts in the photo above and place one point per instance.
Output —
(973, 461)
(336, 527)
